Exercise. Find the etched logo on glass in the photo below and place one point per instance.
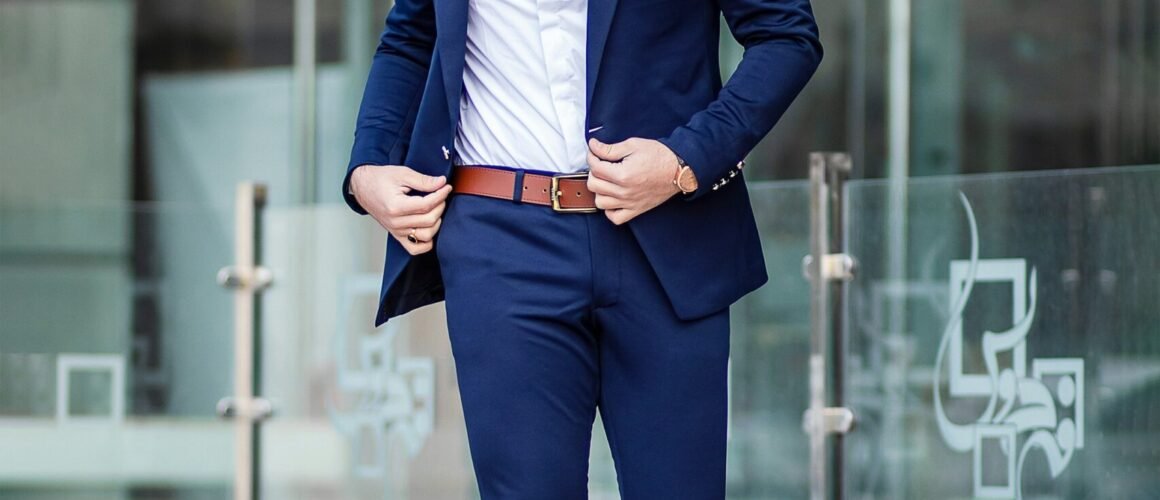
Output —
(1036, 406)
(388, 397)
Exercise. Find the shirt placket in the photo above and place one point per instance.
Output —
(563, 61)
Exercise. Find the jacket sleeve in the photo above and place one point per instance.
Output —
(394, 88)
(782, 51)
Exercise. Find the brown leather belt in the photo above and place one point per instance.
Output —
(564, 193)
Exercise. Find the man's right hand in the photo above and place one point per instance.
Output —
(384, 192)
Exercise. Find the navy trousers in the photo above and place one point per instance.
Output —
(553, 316)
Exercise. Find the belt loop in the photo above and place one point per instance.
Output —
(518, 188)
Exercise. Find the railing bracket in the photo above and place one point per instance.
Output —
(835, 267)
(255, 409)
(236, 277)
(835, 420)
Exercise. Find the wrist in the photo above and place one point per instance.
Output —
(674, 188)
(356, 176)
(352, 181)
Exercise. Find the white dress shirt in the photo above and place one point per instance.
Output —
(523, 103)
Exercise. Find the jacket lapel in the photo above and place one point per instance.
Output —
(599, 21)
(451, 25)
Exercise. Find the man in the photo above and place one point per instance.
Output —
(600, 226)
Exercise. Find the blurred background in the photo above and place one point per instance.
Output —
(1026, 129)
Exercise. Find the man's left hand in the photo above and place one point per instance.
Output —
(631, 177)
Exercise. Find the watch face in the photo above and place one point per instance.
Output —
(686, 180)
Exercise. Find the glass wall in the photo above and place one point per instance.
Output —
(991, 86)
(374, 413)
(126, 124)
(1017, 352)
(112, 356)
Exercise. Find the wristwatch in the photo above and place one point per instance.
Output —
(685, 179)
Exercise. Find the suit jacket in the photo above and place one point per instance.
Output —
(652, 72)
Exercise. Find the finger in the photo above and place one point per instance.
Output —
(620, 216)
(418, 220)
(604, 170)
(420, 182)
(401, 235)
(603, 187)
(424, 233)
(593, 161)
(428, 233)
(614, 216)
(413, 248)
(609, 203)
(420, 248)
(610, 152)
(413, 205)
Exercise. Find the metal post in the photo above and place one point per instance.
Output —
(857, 81)
(826, 268)
(247, 279)
(898, 151)
(305, 99)
(838, 169)
(358, 49)
(898, 171)
(819, 246)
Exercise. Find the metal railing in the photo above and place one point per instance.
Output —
(827, 269)
(247, 278)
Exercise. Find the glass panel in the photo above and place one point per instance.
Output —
(360, 412)
(1014, 350)
(109, 309)
(115, 346)
(998, 86)
(372, 413)
(768, 451)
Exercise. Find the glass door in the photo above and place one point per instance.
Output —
(1005, 343)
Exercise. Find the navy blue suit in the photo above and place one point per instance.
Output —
(653, 72)
(629, 318)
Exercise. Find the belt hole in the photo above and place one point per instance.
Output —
(577, 194)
